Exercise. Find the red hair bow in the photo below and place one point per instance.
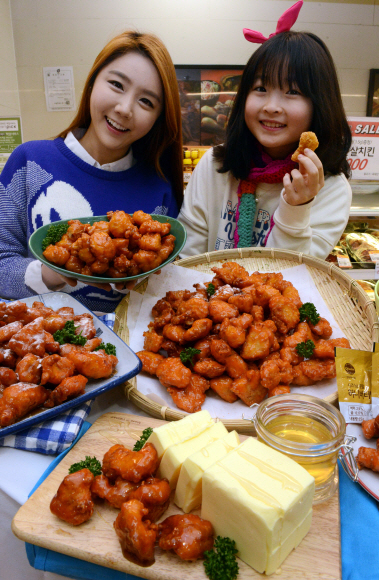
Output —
(285, 22)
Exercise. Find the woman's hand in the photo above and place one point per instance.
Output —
(306, 181)
(55, 281)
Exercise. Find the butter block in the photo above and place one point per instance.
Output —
(175, 455)
(270, 498)
(188, 490)
(165, 435)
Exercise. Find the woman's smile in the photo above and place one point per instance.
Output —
(115, 126)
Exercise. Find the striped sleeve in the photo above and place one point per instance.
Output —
(13, 231)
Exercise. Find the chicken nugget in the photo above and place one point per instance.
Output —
(308, 140)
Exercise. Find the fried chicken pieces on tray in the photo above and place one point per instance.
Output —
(121, 247)
(245, 336)
(367, 457)
(37, 371)
(128, 483)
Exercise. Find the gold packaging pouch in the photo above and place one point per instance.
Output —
(375, 381)
(354, 369)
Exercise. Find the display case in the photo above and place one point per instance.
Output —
(363, 158)
(364, 211)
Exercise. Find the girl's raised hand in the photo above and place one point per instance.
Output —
(306, 181)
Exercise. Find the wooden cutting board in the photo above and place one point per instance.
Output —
(316, 558)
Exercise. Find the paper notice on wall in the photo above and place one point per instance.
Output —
(363, 156)
(10, 137)
(59, 88)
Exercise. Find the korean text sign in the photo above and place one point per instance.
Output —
(363, 156)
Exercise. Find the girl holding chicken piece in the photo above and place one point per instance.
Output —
(248, 192)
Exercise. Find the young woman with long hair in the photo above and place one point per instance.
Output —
(122, 151)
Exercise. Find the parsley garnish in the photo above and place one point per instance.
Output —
(67, 335)
(309, 313)
(211, 289)
(220, 563)
(142, 440)
(186, 356)
(90, 463)
(305, 348)
(109, 348)
(54, 234)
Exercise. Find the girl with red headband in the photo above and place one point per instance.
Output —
(248, 192)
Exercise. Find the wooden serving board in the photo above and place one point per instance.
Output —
(316, 558)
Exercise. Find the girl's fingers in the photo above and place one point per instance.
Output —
(296, 192)
(312, 171)
(130, 285)
(311, 155)
(73, 282)
(119, 286)
(299, 184)
(106, 287)
(70, 281)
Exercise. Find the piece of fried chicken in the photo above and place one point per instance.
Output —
(69, 388)
(192, 397)
(308, 140)
(94, 365)
(18, 400)
(188, 535)
(137, 535)
(115, 494)
(73, 501)
(133, 466)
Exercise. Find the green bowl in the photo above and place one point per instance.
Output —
(35, 245)
(376, 290)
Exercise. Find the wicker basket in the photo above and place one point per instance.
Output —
(352, 309)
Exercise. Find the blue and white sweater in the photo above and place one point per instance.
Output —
(43, 182)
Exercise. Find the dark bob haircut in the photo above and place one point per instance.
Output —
(302, 60)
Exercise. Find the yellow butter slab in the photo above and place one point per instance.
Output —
(188, 489)
(270, 497)
(175, 455)
(165, 435)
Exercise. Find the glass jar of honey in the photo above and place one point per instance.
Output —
(308, 430)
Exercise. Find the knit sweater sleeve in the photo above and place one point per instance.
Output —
(313, 228)
(14, 258)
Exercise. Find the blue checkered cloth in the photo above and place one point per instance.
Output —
(56, 435)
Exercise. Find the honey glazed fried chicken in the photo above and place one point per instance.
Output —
(73, 500)
(126, 245)
(368, 458)
(243, 337)
(35, 370)
(140, 503)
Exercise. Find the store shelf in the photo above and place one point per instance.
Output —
(360, 273)
(365, 206)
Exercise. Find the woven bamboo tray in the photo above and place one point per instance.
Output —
(352, 309)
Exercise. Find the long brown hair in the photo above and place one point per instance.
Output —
(302, 60)
(161, 148)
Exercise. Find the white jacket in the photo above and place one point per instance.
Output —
(209, 209)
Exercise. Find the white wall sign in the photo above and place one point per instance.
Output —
(59, 88)
(10, 137)
(363, 156)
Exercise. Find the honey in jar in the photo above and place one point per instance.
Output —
(308, 430)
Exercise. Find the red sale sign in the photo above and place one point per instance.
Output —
(363, 157)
